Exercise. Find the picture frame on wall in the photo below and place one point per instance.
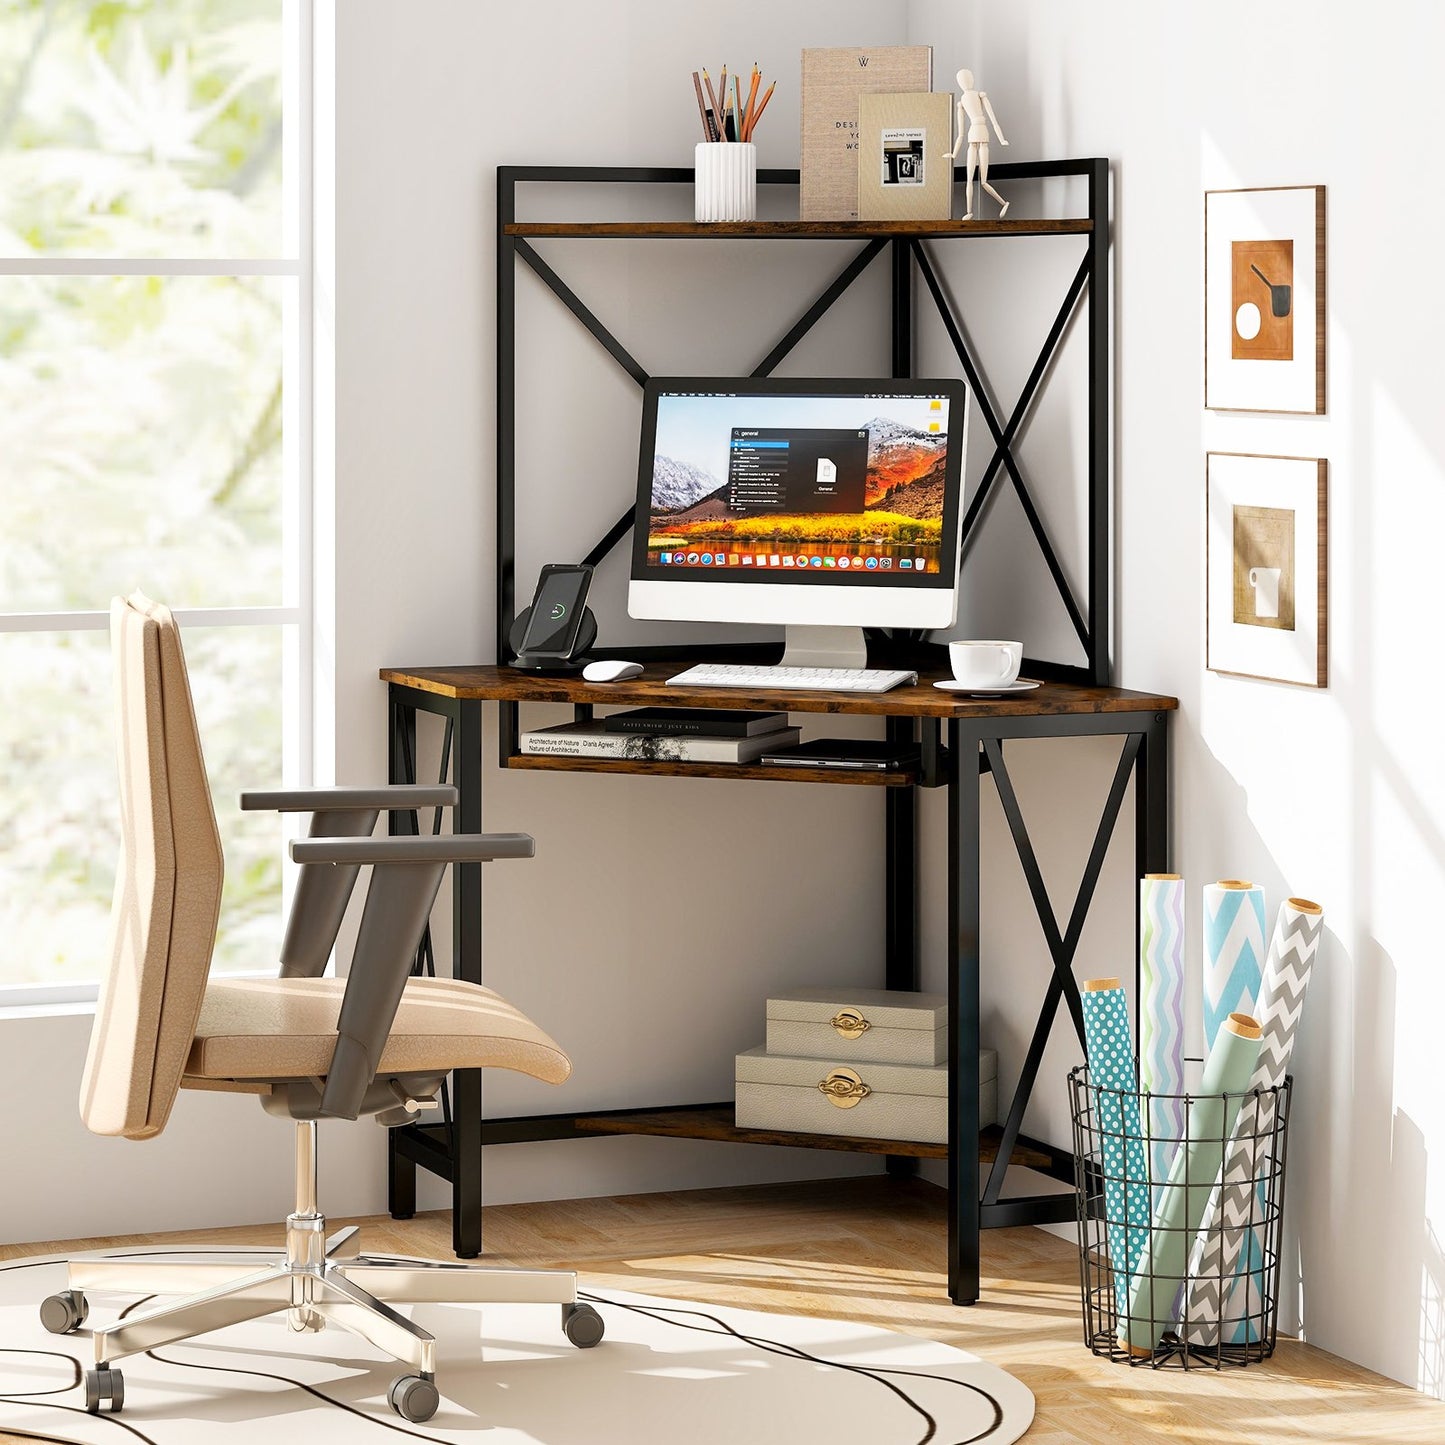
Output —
(1267, 567)
(1264, 299)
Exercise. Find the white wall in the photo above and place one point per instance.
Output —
(1339, 796)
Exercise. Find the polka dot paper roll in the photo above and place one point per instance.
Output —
(1116, 1125)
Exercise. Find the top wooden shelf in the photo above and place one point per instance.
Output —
(798, 230)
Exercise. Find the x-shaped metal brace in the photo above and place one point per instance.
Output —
(1063, 945)
(1004, 435)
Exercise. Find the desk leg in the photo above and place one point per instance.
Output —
(401, 768)
(1151, 821)
(900, 950)
(963, 1010)
(467, 964)
(1151, 798)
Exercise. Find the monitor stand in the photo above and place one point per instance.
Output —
(807, 646)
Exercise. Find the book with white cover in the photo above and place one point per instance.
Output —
(591, 740)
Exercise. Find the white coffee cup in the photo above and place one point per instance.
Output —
(1265, 581)
(986, 664)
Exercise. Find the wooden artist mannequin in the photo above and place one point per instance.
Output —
(975, 115)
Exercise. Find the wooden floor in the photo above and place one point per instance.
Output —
(871, 1250)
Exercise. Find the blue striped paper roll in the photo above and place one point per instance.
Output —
(1159, 1274)
(1116, 1116)
(1233, 951)
(1161, 1015)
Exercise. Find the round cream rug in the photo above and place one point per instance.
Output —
(668, 1371)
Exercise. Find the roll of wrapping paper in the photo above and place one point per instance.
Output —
(1208, 1125)
(1116, 1114)
(1219, 1289)
(1161, 1015)
(1233, 951)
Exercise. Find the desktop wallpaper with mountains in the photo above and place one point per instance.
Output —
(904, 495)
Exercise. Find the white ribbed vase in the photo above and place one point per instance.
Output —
(725, 187)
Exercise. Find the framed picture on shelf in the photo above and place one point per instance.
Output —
(1266, 567)
(1264, 299)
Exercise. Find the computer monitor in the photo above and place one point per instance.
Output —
(826, 506)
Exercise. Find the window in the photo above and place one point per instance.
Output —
(155, 356)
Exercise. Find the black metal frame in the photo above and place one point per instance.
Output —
(907, 254)
(975, 745)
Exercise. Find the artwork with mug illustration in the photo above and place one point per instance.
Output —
(1266, 572)
(1264, 567)
(1264, 299)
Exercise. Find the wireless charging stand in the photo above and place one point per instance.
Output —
(525, 662)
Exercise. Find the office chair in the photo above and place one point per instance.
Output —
(377, 1042)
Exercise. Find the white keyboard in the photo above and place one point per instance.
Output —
(793, 679)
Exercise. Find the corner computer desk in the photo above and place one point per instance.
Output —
(959, 740)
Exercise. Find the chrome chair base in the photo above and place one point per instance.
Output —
(320, 1280)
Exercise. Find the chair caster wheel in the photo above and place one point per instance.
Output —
(64, 1313)
(102, 1384)
(414, 1398)
(582, 1325)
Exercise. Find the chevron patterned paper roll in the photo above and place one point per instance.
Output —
(1192, 1180)
(1233, 951)
(1218, 1288)
(1116, 1116)
(1161, 1014)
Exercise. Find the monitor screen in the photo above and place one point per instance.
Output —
(849, 488)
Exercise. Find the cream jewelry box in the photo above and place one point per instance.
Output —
(875, 1025)
(854, 1097)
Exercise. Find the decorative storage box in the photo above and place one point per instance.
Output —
(864, 1100)
(874, 1025)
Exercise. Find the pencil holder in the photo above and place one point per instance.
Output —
(725, 185)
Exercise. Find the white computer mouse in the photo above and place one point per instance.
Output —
(611, 671)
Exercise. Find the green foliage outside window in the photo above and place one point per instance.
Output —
(140, 434)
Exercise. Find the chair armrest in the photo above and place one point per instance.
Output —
(404, 883)
(443, 848)
(308, 800)
(323, 893)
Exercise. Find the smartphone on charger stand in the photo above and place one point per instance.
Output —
(554, 633)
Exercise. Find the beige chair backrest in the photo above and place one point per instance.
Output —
(167, 887)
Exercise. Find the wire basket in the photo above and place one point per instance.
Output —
(1188, 1191)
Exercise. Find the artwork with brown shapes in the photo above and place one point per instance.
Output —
(1264, 567)
(1262, 300)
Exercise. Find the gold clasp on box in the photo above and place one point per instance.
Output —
(850, 1023)
(844, 1088)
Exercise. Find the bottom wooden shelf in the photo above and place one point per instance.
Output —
(716, 1122)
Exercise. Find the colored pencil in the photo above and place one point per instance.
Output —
(762, 106)
(716, 108)
(702, 107)
(737, 109)
(752, 96)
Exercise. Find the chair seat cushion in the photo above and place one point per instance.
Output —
(285, 1028)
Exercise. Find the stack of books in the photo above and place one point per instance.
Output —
(667, 735)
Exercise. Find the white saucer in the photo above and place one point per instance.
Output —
(967, 688)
